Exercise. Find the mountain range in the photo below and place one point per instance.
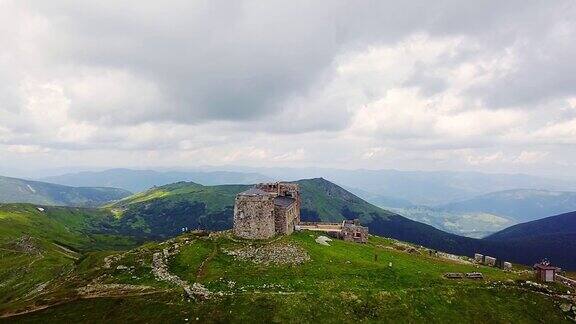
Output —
(381, 187)
(519, 205)
(489, 213)
(163, 211)
(140, 180)
(429, 188)
(13, 190)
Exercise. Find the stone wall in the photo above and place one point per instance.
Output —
(254, 217)
(286, 219)
(355, 233)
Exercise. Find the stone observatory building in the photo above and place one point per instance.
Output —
(266, 210)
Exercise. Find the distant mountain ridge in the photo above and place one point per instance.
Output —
(401, 188)
(470, 224)
(486, 214)
(521, 205)
(543, 229)
(14, 190)
(140, 180)
(430, 188)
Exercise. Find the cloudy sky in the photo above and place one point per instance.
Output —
(414, 85)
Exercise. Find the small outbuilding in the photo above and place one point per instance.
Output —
(545, 272)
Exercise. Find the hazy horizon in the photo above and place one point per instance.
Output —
(38, 174)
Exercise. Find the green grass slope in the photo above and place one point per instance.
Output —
(40, 244)
(13, 190)
(163, 211)
(343, 282)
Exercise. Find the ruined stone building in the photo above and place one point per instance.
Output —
(347, 230)
(270, 209)
(266, 210)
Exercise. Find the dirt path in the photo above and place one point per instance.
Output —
(202, 269)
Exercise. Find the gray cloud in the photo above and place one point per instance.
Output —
(208, 76)
(242, 60)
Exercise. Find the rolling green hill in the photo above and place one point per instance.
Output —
(563, 224)
(13, 190)
(292, 279)
(40, 244)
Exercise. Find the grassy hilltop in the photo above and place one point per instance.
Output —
(290, 279)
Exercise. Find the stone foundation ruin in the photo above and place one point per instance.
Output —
(348, 230)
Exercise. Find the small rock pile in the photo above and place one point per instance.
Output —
(569, 310)
(536, 286)
(278, 254)
(27, 245)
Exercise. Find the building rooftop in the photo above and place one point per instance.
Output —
(545, 266)
(284, 201)
(254, 192)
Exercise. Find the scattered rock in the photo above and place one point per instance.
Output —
(565, 307)
(279, 253)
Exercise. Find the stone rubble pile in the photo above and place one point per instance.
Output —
(111, 259)
(278, 254)
(160, 271)
(27, 245)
